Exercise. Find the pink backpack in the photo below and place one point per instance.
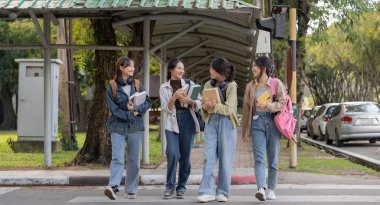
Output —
(284, 119)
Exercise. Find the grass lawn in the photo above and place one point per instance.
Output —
(10, 160)
(311, 159)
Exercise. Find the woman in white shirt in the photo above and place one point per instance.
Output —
(181, 125)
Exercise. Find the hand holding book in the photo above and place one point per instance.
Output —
(263, 100)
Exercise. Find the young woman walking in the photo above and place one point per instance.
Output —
(258, 125)
(220, 132)
(181, 125)
(126, 127)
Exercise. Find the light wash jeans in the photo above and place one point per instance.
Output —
(265, 142)
(178, 151)
(133, 141)
(220, 143)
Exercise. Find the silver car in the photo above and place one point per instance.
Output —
(354, 121)
(318, 125)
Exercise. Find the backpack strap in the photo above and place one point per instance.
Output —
(187, 81)
(113, 87)
(273, 86)
(137, 85)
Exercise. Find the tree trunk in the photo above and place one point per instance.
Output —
(81, 107)
(9, 121)
(97, 146)
(64, 115)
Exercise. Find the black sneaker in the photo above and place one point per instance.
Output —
(180, 194)
(110, 192)
(168, 194)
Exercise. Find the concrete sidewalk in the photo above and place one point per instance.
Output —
(242, 172)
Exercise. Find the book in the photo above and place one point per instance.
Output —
(185, 88)
(138, 97)
(212, 93)
(193, 92)
(264, 98)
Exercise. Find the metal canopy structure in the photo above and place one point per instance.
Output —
(194, 30)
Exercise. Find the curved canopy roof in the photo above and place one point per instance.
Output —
(194, 30)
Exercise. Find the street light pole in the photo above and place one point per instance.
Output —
(293, 87)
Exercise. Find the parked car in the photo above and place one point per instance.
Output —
(310, 119)
(354, 121)
(306, 112)
(319, 123)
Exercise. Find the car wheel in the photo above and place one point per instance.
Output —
(312, 135)
(372, 141)
(328, 141)
(321, 136)
(338, 142)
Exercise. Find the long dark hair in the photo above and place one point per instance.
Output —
(171, 65)
(264, 63)
(225, 68)
(122, 61)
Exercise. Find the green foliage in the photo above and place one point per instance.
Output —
(15, 32)
(353, 65)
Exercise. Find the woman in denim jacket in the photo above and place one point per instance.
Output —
(258, 124)
(220, 132)
(181, 125)
(125, 125)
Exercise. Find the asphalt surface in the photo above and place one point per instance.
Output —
(316, 194)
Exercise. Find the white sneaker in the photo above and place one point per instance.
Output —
(221, 198)
(206, 198)
(271, 195)
(260, 194)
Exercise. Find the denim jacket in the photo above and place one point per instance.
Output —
(122, 120)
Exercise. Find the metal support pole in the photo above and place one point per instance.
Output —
(146, 39)
(293, 90)
(163, 73)
(47, 93)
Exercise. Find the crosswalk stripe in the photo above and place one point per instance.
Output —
(4, 190)
(237, 199)
(280, 186)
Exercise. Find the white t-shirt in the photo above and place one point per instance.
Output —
(127, 89)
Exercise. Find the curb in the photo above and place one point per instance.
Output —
(103, 180)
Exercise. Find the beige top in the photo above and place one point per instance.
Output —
(249, 103)
(229, 108)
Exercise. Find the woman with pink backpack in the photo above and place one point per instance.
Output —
(259, 109)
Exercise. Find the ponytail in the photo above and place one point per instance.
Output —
(231, 74)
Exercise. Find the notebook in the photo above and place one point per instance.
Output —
(212, 93)
(264, 98)
(193, 93)
(138, 98)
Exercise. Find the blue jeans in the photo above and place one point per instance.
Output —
(178, 150)
(265, 141)
(133, 141)
(220, 143)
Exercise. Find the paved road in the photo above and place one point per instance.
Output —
(294, 194)
(359, 147)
